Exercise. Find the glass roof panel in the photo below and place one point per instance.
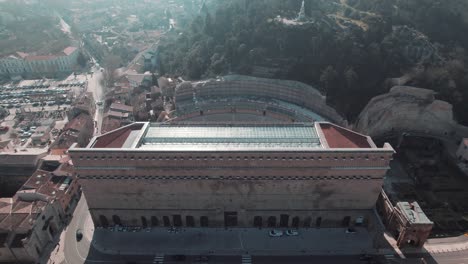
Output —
(227, 137)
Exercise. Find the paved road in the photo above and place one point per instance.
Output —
(95, 86)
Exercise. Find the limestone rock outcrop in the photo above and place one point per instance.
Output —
(409, 109)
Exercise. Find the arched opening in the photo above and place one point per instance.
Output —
(144, 223)
(116, 220)
(154, 221)
(167, 221)
(318, 222)
(230, 219)
(272, 221)
(295, 222)
(103, 221)
(346, 221)
(284, 220)
(307, 221)
(190, 221)
(177, 219)
(204, 221)
(258, 221)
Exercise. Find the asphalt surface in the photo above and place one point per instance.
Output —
(83, 252)
(96, 88)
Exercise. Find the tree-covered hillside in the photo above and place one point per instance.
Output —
(351, 49)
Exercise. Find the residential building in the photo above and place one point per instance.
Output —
(122, 108)
(41, 135)
(136, 80)
(406, 221)
(24, 64)
(16, 166)
(228, 175)
(31, 220)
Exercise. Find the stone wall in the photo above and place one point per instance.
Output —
(190, 95)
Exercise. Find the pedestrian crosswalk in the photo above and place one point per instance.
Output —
(246, 259)
(158, 259)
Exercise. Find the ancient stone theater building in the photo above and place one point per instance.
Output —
(212, 175)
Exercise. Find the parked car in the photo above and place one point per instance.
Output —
(292, 232)
(202, 258)
(350, 230)
(275, 233)
(79, 235)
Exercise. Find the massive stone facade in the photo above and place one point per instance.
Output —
(232, 175)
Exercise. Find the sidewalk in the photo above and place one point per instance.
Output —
(434, 245)
(450, 244)
(236, 241)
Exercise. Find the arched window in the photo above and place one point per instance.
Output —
(295, 222)
(166, 221)
(346, 221)
(318, 222)
(272, 221)
(284, 220)
(116, 220)
(177, 220)
(190, 221)
(144, 223)
(103, 221)
(204, 221)
(258, 221)
(307, 221)
(154, 221)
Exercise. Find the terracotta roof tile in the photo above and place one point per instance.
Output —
(338, 137)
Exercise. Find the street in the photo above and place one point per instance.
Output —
(159, 240)
(96, 88)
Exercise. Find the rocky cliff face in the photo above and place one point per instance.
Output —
(407, 109)
(411, 45)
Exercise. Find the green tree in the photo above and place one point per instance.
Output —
(328, 78)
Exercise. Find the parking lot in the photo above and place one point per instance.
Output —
(35, 93)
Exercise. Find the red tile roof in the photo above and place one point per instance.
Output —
(78, 123)
(40, 57)
(121, 107)
(338, 137)
(117, 138)
(69, 50)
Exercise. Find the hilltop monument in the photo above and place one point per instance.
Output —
(302, 16)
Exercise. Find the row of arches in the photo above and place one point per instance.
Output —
(271, 221)
(284, 220)
(154, 221)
